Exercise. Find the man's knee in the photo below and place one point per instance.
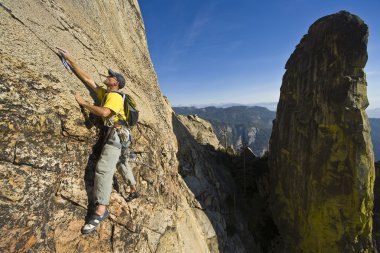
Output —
(108, 159)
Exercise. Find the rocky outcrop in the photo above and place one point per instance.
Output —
(49, 145)
(200, 129)
(321, 158)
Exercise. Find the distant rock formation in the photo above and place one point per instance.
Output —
(321, 157)
(237, 125)
(200, 129)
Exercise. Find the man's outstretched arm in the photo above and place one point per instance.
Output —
(83, 75)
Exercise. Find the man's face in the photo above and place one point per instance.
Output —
(110, 82)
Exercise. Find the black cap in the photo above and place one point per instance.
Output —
(118, 76)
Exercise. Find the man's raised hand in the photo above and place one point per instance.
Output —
(79, 99)
(63, 52)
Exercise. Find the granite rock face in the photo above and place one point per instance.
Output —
(49, 146)
(321, 157)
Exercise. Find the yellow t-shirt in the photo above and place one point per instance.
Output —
(114, 102)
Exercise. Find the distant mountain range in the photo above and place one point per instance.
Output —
(374, 113)
(237, 124)
(272, 106)
(375, 136)
(253, 125)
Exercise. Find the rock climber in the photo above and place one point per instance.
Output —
(118, 138)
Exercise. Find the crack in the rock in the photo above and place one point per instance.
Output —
(26, 164)
(5, 198)
(66, 134)
(150, 229)
(168, 228)
(13, 16)
(41, 40)
(31, 165)
(54, 27)
(34, 22)
(75, 37)
(130, 230)
(10, 13)
(14, 153)
(145, 236)
(72, 201)
(112, 237)
(65, 24)
(144, 125)
(118, 223)
(138, 14)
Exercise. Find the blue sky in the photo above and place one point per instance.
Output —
(224, 51)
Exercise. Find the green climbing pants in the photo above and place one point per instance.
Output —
(113, 155)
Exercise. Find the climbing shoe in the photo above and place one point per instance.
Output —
(132, 196)
(93, 222)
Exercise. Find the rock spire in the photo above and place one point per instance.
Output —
(321, 158)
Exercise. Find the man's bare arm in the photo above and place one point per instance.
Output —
(83, 75)
(97, 110)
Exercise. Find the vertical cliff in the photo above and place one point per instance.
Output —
(207, 173)
(321, 158)
(49, 144)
